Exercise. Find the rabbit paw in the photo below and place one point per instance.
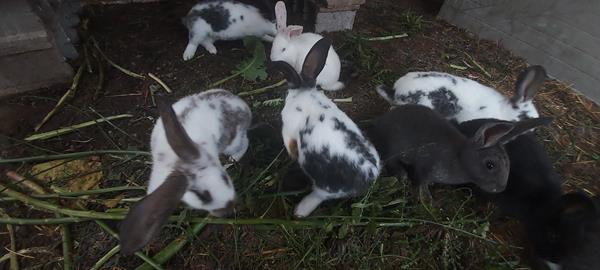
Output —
(210, 47)
(189, 52)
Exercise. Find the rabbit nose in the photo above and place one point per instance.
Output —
(225, 211)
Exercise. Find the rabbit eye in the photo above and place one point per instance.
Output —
(283, 50)
(490, 165)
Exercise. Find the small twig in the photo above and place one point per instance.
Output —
(386, 37)
(35, 187)
(230, 76)
(343, 100)
(67, 244)
(74, 155)
(22, 252)
(263, 172)
(478, 65)
(457, 67)
(116, 127)
(159, 81)
(47, 206)
(106, 257)
(130, 73)
(100, 82)
(61, 102)
(67, 241)
(86, 56)
(261, 90)
(42, 221)
(69, 129)
(175, 245)
(139, 254)
(14, 261)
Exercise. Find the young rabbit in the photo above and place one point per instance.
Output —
(534, 196)
(463, 99)
(292, 46)
(186, 142)
(329, 147)
(225, 20)
(431, 150)
(532, 181)
(568, 236)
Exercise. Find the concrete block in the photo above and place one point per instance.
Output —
(334, 21)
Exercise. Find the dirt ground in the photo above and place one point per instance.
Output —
(149, 38)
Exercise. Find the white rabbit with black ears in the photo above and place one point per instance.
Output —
(186, 142)
(329, 147)
(291, 46)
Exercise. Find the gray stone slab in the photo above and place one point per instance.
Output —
(562, 37)
(33, 70)
(21, 30)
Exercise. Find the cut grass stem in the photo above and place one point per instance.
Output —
(122, 69)
(172, 248)
(139, 254)
(69, 129)
(106, 257)
(159, 81)
(66, 97)
(261, 90)
(387, 37)
(74, 155)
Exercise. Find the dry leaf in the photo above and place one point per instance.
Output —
(86, 172)
(114, 201)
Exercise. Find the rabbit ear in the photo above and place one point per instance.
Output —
(491, 134)
(528, 83)
(178, 139)
(281, 16)
(525, 126)
(315, 61)
(147, 216)
(288, 71)
(294, 31)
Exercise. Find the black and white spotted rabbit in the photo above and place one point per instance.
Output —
(214, 20)
(462, 99)
(186, 142)
(328, 145)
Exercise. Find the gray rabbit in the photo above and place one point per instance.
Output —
(430, 149)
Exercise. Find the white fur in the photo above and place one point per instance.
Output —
(296, 49)
(292, 48)
(253, 24)
(203, 125)
(324, 134)
(471, 95)
(553, 266)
